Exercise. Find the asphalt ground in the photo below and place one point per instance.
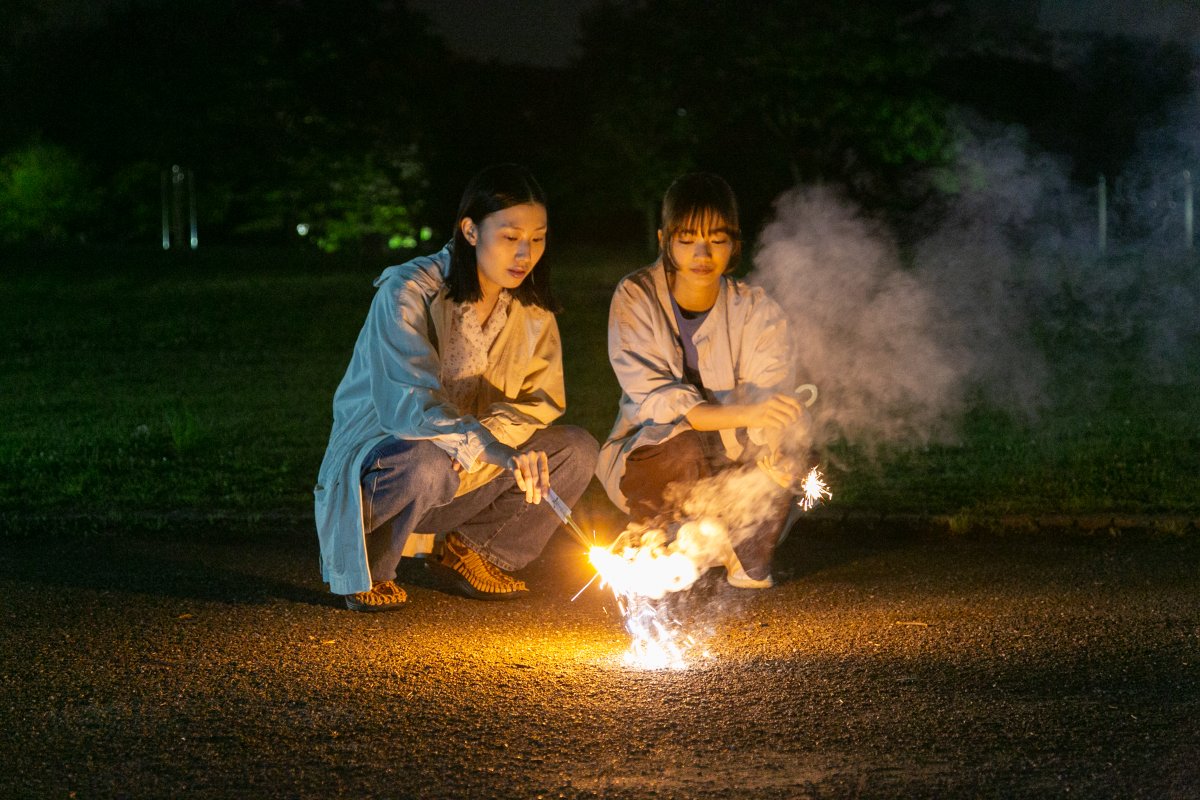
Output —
(887, 662)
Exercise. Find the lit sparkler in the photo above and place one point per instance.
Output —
(813, 490)
(564, 513)
(638, 579)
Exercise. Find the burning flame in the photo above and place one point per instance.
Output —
(642, 567)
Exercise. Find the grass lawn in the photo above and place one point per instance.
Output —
(138, 387)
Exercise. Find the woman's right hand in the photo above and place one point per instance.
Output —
(777, 411)
(531, 469)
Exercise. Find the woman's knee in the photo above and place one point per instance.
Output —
(573, 443)
(419, 464)
(572, 453)
(582, 444)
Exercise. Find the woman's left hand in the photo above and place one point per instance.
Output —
(532, 472)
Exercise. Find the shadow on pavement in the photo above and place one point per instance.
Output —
(239, 573)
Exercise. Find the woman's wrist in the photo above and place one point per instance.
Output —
(715, 417)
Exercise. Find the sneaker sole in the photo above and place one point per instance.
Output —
(453, 581)
(749, 583)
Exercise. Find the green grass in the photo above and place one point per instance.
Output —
(137, 387)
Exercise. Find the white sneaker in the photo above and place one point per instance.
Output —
(737, 576)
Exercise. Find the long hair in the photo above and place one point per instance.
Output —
(495, 188)
(702, 202)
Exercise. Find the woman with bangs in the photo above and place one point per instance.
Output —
(441, 423)
(706, 372)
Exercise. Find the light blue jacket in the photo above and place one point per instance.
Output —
(392, 387)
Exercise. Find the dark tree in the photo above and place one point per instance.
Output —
(771, 95)
(308, 111)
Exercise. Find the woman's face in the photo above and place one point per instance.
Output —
(701, 252)
(508, 245)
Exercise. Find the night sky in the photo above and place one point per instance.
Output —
(540, 32)
(543, 32)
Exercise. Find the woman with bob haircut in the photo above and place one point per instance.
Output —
(441, 423)
(706, 373)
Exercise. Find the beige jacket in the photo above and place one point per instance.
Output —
(392, 388)
(744, 353)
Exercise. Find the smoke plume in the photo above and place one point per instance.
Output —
(1007, 288)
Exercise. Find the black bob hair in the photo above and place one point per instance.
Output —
(496, 188)
(699, 201)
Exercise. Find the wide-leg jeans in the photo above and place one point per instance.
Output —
(409, 485)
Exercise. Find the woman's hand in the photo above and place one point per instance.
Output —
(531, 468)
(777, 411)
(532, 471)
(783, 469)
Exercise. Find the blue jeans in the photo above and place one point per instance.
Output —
(409, 485)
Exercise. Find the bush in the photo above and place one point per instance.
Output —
(45, 195)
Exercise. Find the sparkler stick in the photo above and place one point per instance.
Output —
(564, 513)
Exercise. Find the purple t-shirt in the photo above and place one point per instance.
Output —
(689, 322)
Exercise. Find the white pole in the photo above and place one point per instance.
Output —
(1102, 206)
(177, 179)
(194, 239)
(1188, 214)
(166, 216)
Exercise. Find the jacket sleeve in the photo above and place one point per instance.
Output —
(641, 355)
(405, 372)
(767, 364)
(542, 398)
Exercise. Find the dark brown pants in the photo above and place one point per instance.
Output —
(686, 458)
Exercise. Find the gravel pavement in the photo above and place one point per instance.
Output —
(887, 662)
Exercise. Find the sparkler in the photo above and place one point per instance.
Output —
(656, 642)
(642, 567)
(564, 513)
(813, 490)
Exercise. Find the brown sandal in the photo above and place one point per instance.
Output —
(466, 572)
(382, 596)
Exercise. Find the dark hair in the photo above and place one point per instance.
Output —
(699, 201)
(493, 189)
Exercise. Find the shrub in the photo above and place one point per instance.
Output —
(45, 195)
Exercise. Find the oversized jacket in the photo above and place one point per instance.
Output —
(393, 388)
(744, 355)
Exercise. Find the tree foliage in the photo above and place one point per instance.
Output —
(284, 111)
(774, 94)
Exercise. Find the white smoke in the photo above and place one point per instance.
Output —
(864, 328)
(1006, 288)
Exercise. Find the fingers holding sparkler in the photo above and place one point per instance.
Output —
(531, 470)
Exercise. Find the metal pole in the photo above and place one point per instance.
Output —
(1102, 206)
(166, 216)
(1188, 213)
(194, 239)
(177, 179)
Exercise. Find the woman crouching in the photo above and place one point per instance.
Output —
(441, 423)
